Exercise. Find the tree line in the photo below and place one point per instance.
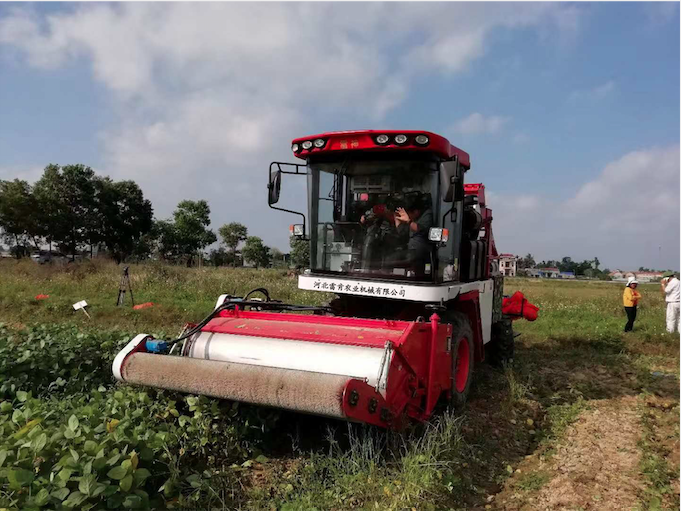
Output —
(586, 268)
(71, 209)
(254, 251)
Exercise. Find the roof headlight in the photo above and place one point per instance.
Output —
(400, 139)
(319, 143)
(382, 139)
(422, 139)
(307, 144)
(295, 148)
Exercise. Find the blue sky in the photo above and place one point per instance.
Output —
(570, 111)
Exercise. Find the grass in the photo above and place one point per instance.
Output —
(179, 294)
(575, 354)
(533, 481)
(366, 467)
(654, 462)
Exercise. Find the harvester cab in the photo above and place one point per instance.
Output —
(406, 250)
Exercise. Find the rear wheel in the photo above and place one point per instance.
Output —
(463, 358)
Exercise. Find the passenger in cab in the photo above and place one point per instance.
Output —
(413, 221)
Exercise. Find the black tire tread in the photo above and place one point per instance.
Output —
(501, 348)
(461, 327)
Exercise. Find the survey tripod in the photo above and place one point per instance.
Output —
(123, 287)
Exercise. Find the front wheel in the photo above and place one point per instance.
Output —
(463, 359)
(500, 350)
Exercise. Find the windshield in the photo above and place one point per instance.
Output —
(372, 217)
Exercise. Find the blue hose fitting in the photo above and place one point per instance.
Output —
(155, 346)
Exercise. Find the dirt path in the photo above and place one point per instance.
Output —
(596, 465)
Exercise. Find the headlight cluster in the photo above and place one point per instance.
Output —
(438, 234)
(401, 139)
(308, 144)
(297, 230)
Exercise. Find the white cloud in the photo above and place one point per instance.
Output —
(476, 123)
(623, 216)
(660, 13)
(521, 138)
(208, 93)
(593, 94)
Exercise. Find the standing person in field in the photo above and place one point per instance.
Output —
(670, 288)
(631, 299)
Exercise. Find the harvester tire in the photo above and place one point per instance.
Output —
(463, 358)
(501, 348)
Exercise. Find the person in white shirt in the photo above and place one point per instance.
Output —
(671, 288)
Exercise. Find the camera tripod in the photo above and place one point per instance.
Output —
(123, 286)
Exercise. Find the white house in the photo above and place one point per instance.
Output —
(507, 265)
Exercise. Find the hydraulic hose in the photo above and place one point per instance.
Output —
(258, 290)
(231, 302)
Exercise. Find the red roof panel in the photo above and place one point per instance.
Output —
(365, 140)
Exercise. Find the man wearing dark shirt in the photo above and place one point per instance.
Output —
(415, 223)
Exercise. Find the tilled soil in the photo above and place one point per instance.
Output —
(595, 466)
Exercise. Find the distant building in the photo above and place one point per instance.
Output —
(507, 265)
(566, 275)
(641, 276)
(544, 273)
(549, 273)
(648, 276)
(617, 275)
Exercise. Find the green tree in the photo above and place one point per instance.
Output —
(148, 244)
(19, 214)
(278, 258)
(567, 264)
(52, 220)
(187, 233)
(78, 194)
(526, 262)
(300, 252)
(122, 216)
(219, 257)
(256, 252)
(167, 246)
(584, 267)
(66, 197)
(232, 234)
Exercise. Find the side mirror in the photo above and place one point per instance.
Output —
(274, 187)
(449, 174)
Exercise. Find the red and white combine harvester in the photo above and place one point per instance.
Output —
(408, 250)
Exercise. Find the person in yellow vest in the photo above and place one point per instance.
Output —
(631, 298)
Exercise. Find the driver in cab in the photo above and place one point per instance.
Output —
(413, 221)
